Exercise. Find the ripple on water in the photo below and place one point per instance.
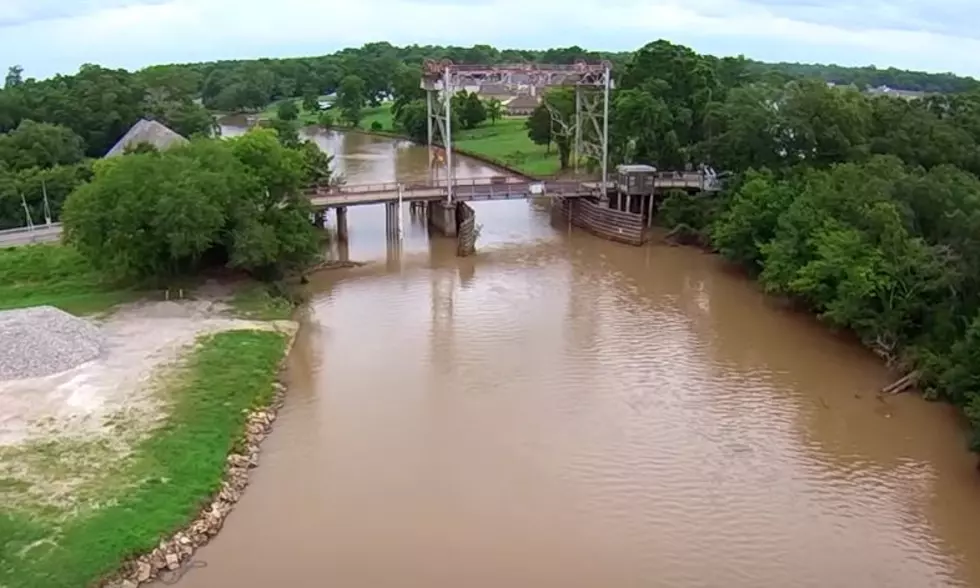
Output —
(557, 419)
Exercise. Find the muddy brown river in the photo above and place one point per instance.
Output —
(561, 411)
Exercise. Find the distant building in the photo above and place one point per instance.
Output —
(499, 91)
(148, 132)
(522, 105)
(904, 94)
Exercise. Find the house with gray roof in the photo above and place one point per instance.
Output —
(149, 132)
(522, 105)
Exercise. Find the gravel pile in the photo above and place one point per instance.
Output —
(43, 340)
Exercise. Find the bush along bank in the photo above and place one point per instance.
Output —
(887, 251)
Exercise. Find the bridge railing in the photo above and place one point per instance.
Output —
(505, 185)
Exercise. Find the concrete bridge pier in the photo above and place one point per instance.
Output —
(319, 219)
(442, 218)
(342, 232)
(392, 220)
(466, 231)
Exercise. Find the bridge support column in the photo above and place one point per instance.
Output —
(319, 219)
(442, 217)
(392, 211)
(342, 232)
(466, 230)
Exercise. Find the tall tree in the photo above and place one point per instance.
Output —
(351, 99)
(495, 110)
(15, 77)
(34, 144)
(538, 127)
(287, 110)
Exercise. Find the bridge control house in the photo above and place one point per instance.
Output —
(635, 185)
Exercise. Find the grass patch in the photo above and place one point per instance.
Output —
(507, 143)
(171, 473)
(56, 275)
(257, 302)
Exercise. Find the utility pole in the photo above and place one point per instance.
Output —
(47, 208)
(27, 213)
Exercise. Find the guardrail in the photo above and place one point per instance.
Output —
(34, 229)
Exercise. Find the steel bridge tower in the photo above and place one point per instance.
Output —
(589, 127)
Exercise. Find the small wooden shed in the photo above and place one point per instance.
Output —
(636, 180)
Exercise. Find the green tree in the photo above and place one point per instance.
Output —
(286, 130)
(412, 120)
(538, 126)
(751, 218)
(469, 109)
(559, 104)
(317, 164)
(156, 215)
(351, 99)
(287, 111)
(406, 88)
(33, 184)
(15, 77)
(35, 144)
(311, 101)
(495, 110)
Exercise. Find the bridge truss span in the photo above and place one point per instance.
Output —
(589, 126)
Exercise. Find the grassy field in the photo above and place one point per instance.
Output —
(158, 488)
(506, 142)
(55, 275)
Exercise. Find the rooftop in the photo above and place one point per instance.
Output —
(635, 168)
(150, 132)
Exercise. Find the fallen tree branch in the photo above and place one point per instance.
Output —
(902, 384)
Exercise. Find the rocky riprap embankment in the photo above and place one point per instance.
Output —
(171, 555)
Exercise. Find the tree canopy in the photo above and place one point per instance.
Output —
(155, 215)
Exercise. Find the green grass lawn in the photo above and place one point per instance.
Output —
(55, 275)
(158, 488)
(507, 143)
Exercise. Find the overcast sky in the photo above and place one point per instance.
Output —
(56, 36)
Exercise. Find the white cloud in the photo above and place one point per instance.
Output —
(904, 33)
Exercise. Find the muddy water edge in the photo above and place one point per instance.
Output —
(562, 411)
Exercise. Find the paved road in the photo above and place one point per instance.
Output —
(15, 237)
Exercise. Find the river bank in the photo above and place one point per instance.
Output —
(124, 450)
(99, 462)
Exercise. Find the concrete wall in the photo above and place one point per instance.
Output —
(466, 229)
(598, 219)
(442, 218)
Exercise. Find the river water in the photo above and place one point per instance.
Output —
(561, 411)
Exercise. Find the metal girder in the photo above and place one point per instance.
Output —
(590, 126)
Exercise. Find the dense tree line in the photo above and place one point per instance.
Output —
(49, 128)
(864, 209)
(871, 76)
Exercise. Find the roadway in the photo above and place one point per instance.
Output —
(40, 234)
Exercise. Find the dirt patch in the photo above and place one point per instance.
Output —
(61, 436)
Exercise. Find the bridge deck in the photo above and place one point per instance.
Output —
(497, 188)
(468, 190)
